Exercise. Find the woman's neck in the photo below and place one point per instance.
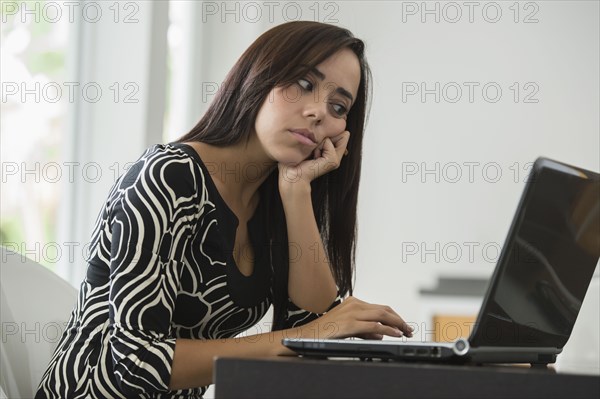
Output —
(237, 170)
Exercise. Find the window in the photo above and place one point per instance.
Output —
(33, 124)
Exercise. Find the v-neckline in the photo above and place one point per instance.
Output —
(210, 180)
(230, 262)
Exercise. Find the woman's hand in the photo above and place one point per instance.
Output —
(327, 157)
(356, 318)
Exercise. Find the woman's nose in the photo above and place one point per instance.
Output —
(315, 110)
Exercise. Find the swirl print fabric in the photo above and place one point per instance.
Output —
(160, 268)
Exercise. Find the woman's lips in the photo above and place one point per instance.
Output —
(302, 138)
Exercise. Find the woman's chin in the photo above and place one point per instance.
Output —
(292, 159)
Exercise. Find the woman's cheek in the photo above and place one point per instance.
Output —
(344, 123)
(291, 94)
(335, 127)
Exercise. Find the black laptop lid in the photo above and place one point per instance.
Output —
(547, 261)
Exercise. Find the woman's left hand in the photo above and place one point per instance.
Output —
(325, 159)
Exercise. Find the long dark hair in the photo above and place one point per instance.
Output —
(279, 57)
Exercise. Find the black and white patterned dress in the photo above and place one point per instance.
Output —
(160, 268)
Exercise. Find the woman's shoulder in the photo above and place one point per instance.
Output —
(170, 167)
(177, 152)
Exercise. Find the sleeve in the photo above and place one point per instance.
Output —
(152, 222)
(297, 317)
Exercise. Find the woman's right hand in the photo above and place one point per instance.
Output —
(356, 318)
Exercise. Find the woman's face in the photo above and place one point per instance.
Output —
(316, 106)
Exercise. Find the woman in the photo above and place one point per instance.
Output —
(255, 205)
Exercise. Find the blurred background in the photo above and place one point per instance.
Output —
(466, 95)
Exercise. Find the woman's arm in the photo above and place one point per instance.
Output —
(311, 284)
(193, 360)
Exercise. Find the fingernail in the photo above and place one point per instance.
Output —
(398, 332)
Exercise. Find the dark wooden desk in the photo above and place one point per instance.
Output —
(292, 377)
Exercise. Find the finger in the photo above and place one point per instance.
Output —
(385, 315)
(374, 328)
(341, 143)
(408, 330)
(371, 336)
(329, 149)
(357, 306)
(380, 315)
(327, 145)
(330, 159)
(316, 153)
(341, 136)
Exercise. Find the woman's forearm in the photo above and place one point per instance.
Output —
(192, 365)
(311, 284)
(193, 360)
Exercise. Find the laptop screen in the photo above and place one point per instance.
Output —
(547, 261)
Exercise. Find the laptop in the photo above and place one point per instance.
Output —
(537, 288)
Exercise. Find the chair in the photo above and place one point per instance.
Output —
(35, 306)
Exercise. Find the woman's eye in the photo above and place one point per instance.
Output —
(305, 84)
(339, 109)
